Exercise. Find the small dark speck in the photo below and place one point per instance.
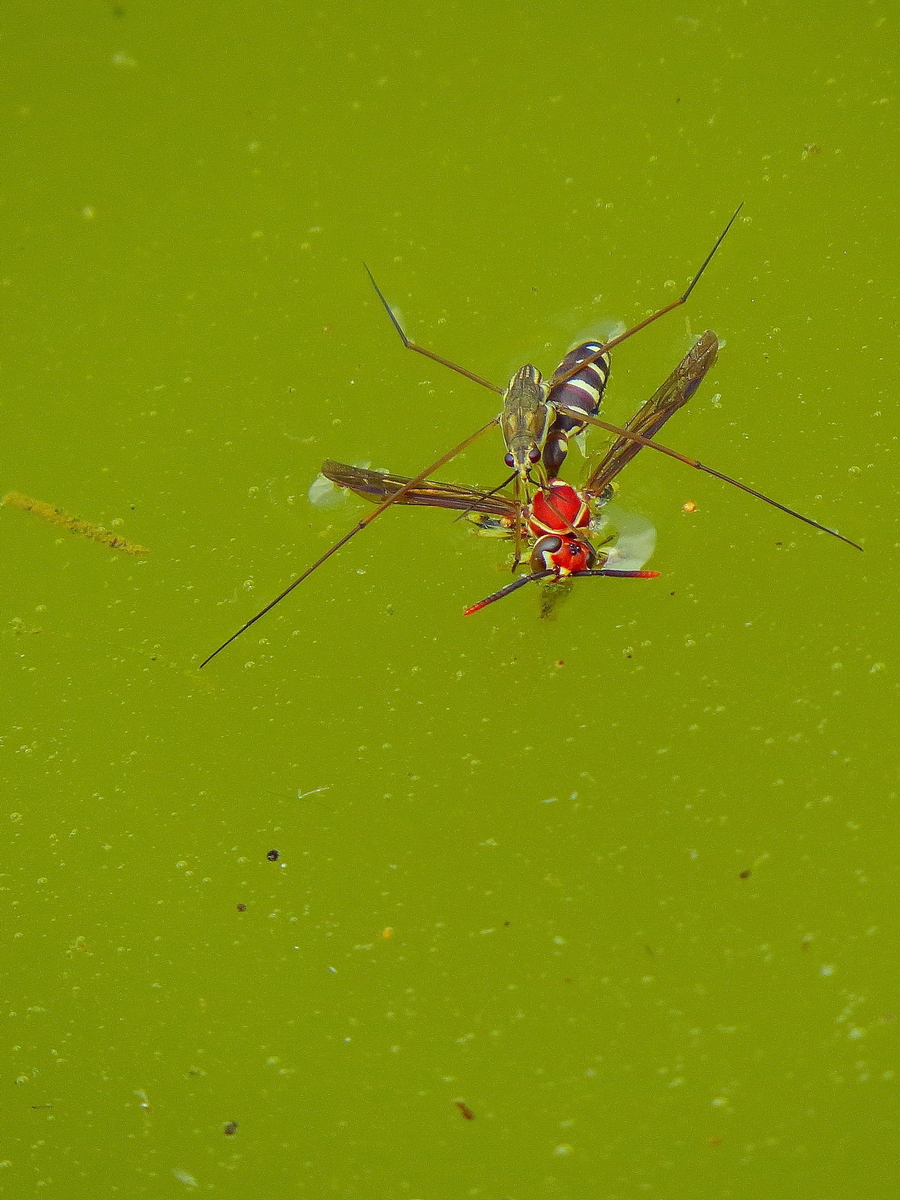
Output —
(745, 874)
(230, 1129)
(272, 856)
(242, 908)
(465, 1110)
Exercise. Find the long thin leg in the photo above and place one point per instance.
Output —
(410, 345)
(445, 362)
(358, 528)
(487, 495)
(693, 462)
(661, 312)
(519, 527)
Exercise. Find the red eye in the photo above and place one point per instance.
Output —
(534, 455)
(509, 460)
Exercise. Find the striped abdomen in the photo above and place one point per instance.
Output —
(584, 392)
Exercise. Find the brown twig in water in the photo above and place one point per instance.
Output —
(58, 516)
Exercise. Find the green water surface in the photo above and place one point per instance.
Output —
(623, 883)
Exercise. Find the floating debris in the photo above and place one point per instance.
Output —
(58, 516)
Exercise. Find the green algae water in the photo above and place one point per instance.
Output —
(620, 886)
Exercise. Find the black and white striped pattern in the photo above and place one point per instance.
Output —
(584, 392)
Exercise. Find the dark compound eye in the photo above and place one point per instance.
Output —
(509, 460)
(534, 455)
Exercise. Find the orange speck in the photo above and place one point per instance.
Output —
(689, 506)
(387, 932)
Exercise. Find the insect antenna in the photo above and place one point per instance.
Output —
(506, 591)
(516, 584)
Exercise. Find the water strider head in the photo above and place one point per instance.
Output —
(523, 421)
